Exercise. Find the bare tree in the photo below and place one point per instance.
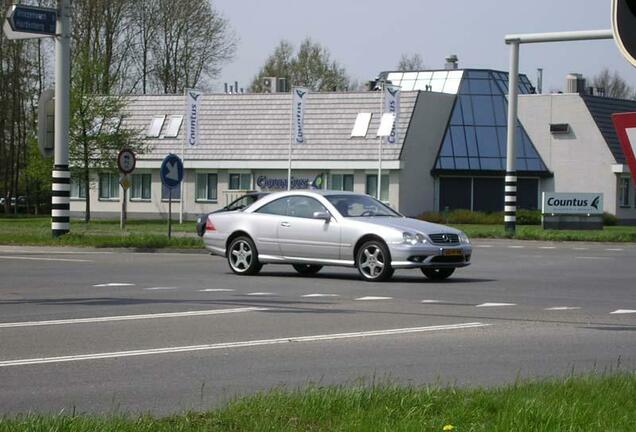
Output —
(615, 86)
(310, 67)
(144, 28)
(411, 62)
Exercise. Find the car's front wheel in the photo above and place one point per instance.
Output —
(243, 257)
(307, 269)
(437, 273)
(373, 261)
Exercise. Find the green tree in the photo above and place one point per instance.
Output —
(38, 176)
(310, 67)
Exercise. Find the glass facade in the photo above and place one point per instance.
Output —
(475, 139)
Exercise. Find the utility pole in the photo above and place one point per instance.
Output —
(60, 200)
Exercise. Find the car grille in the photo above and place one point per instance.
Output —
(445, 239)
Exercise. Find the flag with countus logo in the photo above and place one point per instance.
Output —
(625, 125)
(299, 100)
(193, 103)
(392, 105)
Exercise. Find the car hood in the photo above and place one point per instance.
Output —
(408, 224)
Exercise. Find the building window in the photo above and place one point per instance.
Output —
(165, 193)
(206, 187)
(78, 188)
(140, 187)
(240, 181)
(623, 191)
(341, 182)
(108, 186)
(372, 186)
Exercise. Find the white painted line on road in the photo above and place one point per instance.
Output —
(161, 288)
(114, 284)
(562, 308)
(373, 298)
(321, 295)
(261, 294)
(580, 248)
(243, 344)
(624, 311)
(547, 247)
(43, 259)
(431, 301)
(615, 249)
(593, 257)
(45, 252)
(130, 317)
(483, 246)
(496, 304)
(216, 290)
(516, 247)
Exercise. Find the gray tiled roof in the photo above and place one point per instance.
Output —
(602, 109)
(257, 126)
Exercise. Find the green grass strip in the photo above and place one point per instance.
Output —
(591, 403)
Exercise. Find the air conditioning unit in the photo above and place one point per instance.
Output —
(269, 85)
(281, 85)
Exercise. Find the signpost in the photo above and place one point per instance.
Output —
(126, 162)
(171, 173)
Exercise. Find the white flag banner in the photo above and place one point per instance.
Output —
(392, 105)
(299, 98)
(193, 101)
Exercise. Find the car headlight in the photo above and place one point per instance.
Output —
(413, 239)
(463, 238)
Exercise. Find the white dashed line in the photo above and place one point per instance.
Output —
(593, 257)
(243, 344)
(624, 311)
(431, 301)
(321, 295)
(373, 298)
(161, 288)
(130, 317)
(547, 247)
(483, 246)
(115, 284)
(260, 294)
(516, 247)
(496, 304)
(43, 259)
(580, 248)
(562, 308)
(615, 249)
(216, 290)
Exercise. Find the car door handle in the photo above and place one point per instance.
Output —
(284, 224)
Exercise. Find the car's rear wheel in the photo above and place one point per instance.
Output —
(243, 257)
(307, 269)
(437, 273)
(374, 262)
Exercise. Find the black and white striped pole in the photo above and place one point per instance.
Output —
(510, 200)
(61, 194)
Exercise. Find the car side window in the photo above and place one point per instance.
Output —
(277, 207)
(304, 207)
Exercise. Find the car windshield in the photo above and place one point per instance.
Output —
(360, 206)
(242, 202)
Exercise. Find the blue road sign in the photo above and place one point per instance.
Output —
(30, 19)
(171, 171)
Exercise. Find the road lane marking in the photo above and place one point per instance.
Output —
(321, 295)
(260, 294)
(615, 249)
(483, 246)
(161, 288)
(562, 308)
(593, 257)
(243, 344)
(496, 304)
(547, 247)
(130, 317)
(216, 290)
(624, 311)
(373, 298)
(43, 259)
(516, 247)
(40, 252)
(431, 301)
(114, 284)
(580, 248)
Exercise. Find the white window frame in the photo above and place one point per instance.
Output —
(77, 187)
(207, 198)
(240, 174)
(342, 175)
(111, 187)
(388, 185)
(132, 188)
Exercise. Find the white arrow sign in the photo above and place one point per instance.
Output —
(173, 171)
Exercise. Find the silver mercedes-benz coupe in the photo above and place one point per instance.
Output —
(312, 229)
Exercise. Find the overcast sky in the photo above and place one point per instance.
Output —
(369, 36)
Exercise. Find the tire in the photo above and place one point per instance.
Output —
(243, 257)
(437, 274)
(307, 269)
(373, 261)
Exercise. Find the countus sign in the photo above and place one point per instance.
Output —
(572, 203)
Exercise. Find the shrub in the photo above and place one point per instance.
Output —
(524, 217)
(528, 217)
(609, 219)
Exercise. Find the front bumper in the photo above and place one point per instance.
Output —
(432, 256)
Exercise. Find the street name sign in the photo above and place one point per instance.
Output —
(25, 22)
(171, 171)
(625, 125)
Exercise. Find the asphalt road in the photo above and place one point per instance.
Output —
(104, 331)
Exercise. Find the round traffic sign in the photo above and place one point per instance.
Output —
(126, 161)
(171, 171)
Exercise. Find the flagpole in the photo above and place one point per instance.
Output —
(182, 185)
(379, 185)
(291, 138)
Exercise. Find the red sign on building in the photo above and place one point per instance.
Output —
(625, 125)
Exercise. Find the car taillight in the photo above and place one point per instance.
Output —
(209, 226)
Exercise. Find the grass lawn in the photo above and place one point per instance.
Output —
(590, 403)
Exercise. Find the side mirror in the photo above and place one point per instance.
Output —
(324, 215)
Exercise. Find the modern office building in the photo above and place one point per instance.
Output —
(450, 150)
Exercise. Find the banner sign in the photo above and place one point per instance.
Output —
(625, 125)
(193, 99)
(279, 183)
(299, 98)
(572, 203)
(392, 105)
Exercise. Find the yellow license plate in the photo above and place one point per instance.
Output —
(452, 252)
